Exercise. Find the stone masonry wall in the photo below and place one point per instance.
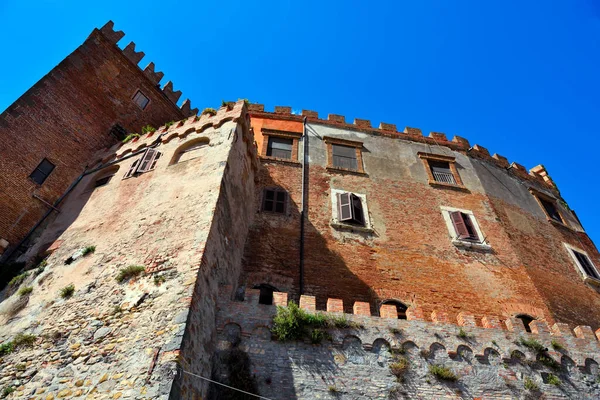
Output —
(490, 363)
(67, 116)
(123, 339)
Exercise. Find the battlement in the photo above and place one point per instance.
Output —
(155, 77)
(536, 174)
(579, 344)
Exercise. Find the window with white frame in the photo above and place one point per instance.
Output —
(583, 262)
(147, 162)
(349, 210)
(463, 227)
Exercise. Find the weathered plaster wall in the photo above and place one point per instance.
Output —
(355, 363)
(116, 339)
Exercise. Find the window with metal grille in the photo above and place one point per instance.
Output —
(441, 171)
(586, 264)
(463, 226)
(280, 147)
(42, 171)
(350, 209)
(141, 100)
(344, 157)
(274, 200)
(551, 210)
(147, 162)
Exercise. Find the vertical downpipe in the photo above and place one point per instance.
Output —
(302, 210)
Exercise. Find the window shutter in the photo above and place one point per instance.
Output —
(146, 161)
(470, 227)
(586, 264)
(132, 169)
(459, 225)
(359, 216)
(344, 207)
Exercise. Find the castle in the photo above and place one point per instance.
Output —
(423, 266)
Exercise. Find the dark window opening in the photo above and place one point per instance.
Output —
(118, 132)
(42, 171)
(266, 293)
(526, 321)
(344, 157)
(103, 181)
(441, 171)
(350, 209)
(551, 209)
(274, 200)
(586, 264)
(463, 226)
(400, 307)
(280, 147)
(141, 100)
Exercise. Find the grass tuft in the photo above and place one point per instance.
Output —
(209, 111)
(8, 390)
(24, 340)
(443, 373)
(463, 334)
(532, 344)
(17, 280)
(129, 272)
(531, 385)
(556, 345)
(88, 250)
(67, 291)
(148, 129)
(24, 291)
(159, 279)
(130, 137)
(553, 380)
(399, 366)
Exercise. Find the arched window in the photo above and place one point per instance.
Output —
(189, 150)
(526, 321)
(266, 293)
(103, 177)
(400, 307)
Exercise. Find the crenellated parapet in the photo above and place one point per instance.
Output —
(155, 77)
(537, 174)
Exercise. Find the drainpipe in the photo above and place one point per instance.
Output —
(54, 207)
(302, 211)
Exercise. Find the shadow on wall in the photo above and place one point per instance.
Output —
(272, 251)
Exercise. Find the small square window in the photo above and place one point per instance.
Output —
(279, 147)
(147, 162)
(42, 171)
(349, 211)
(583, 262)
(274, 200)
(463, 228)
(441, 172)
(548, 205)
(141, 100)
(344, 157)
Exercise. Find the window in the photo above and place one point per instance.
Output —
(274, 200)
(266, 293)
(343, 154)
(463, 226)
(141, 100)
(441, 170)
(102, 181)
(583, 262)
(344, 157)
(548, 205)
(42, 171)
(189, 150)
(400, 307)
(118, 132)
(526, 321)
(145, 163)
(350, 209)
(279, 147)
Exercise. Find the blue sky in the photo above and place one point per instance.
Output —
(521, 78)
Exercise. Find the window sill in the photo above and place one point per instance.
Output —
(559, 224)
(448, 186)
(352, 228)
(346, 171)
(471, 245)
(592, 281)
(280, 160)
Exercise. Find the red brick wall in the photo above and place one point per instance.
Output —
(410, 256)
(66, 117)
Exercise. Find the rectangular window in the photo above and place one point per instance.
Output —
(141, 100)
(463, 226)
(344, 157)
(586, 264)
(350, 209)
(145, 163)
(551, 209)
(274, 200)
(118, 132)
(441, 172)
(42, 171)
(280, 147)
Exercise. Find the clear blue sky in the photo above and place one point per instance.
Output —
(521, 78)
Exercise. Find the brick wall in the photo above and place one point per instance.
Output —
(66, 117)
